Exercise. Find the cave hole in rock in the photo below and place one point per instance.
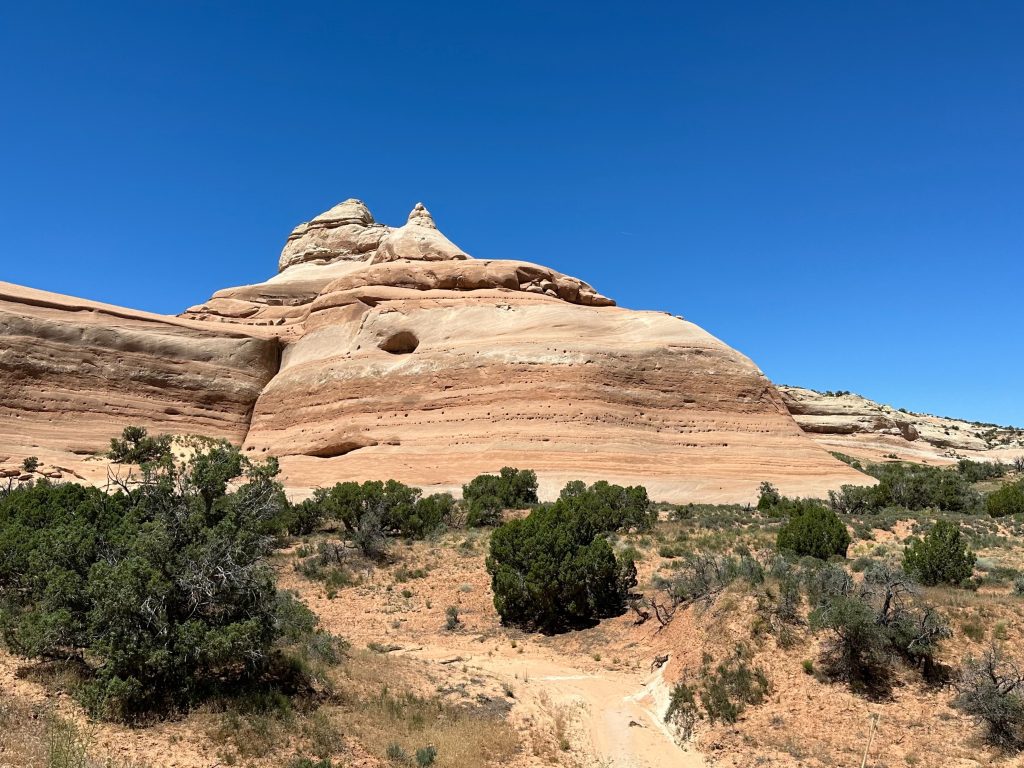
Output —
(401, 343)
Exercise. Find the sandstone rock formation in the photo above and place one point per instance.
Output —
(74, 372)
(401, 356)
(853, 424)
(845, 414)
(348, 232)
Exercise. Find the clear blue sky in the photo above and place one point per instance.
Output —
(836, 189)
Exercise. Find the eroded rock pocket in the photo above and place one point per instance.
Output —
(401, 343)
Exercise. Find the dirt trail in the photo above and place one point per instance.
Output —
(615, 714)
(609, 712)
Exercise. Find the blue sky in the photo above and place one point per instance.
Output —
(835, 189)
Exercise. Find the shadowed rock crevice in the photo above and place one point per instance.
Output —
(338, 449)
(401, 343)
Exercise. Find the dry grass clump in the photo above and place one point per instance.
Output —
(551, 730)
(377, 700)
(22, 733)
(34, 736)
(271, 734)
(382, 712)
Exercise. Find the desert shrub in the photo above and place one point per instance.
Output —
(778, 611)
(991, 690)
(768, 496)
(609, 507)
(847, 459)
(862, 562)
(487, 495)
(451, 618)
(732, 686)
(161, 592)
(430, 515)
(137, 447)
(66, 745)
(1008, 500)
(683, 708)
(304, 518)
(374, 511)
(857, 651)
(1018, 585)
(825, 581)
(724, 692)
(787, 507)
(814, 531)
(327, 563)
(425, 756)
(403, 574)
(671, 551)
(973, 630)
(854, 500)
(705, 514)
(699, 575)
(788, 600)
(912, 486)
(554, 569)
(293, 619)
(916, 486)
(873, 626)
(396, 754)
(940, 557)
(994, 574)
(913, 629)
(30, 464)
(976, 471)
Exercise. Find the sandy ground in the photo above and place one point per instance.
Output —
(612, 701)
(616, 719)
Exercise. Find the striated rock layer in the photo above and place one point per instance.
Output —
(74, 372)
(401, 356)
(847, 422)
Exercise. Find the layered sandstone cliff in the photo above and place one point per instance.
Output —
(73, 372)
(848, 422)
(401, 356)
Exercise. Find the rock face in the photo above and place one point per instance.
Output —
(848, 422)
(74, 372)
(348, 232)
(845, 414)
(402, 356)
